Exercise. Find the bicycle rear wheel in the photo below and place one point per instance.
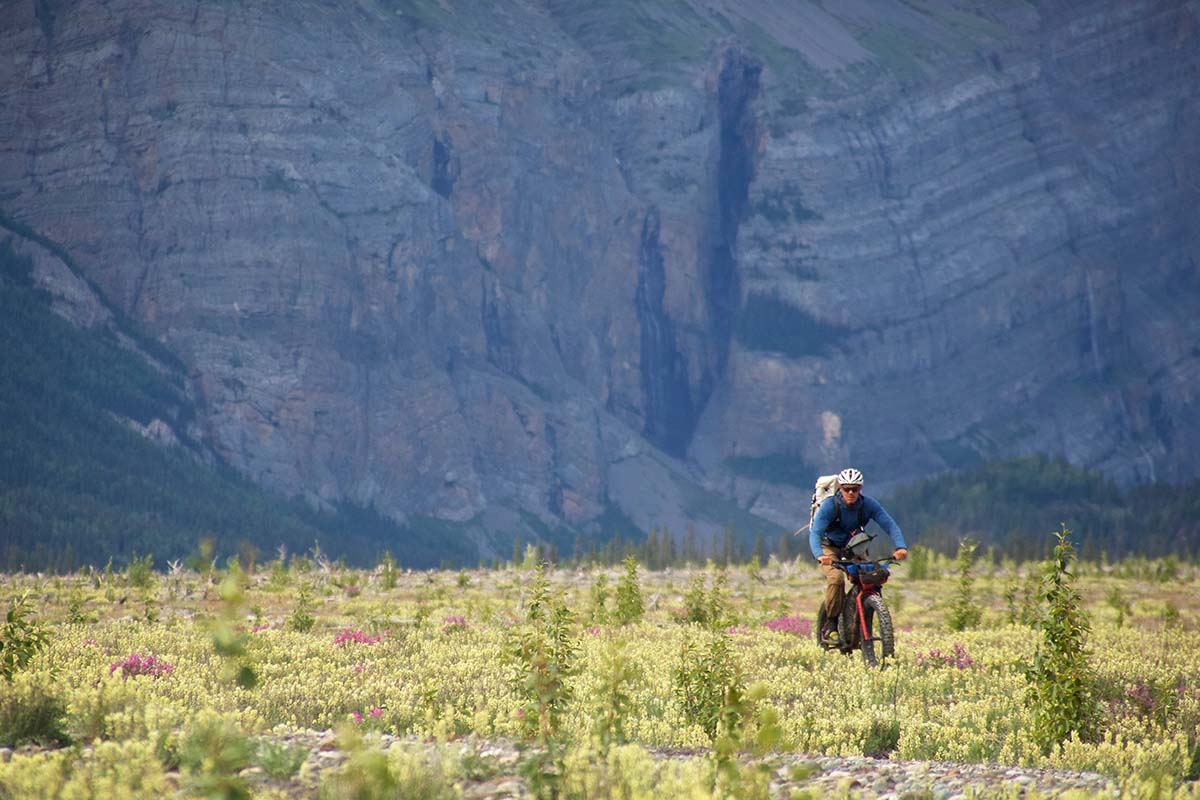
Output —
(848, 630)
(877, 615)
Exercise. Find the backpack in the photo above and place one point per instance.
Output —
(824, 488)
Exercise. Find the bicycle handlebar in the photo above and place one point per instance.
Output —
(841, 562)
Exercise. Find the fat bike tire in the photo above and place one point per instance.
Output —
(876, 615)
(848, 633)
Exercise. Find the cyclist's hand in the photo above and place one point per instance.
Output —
(825, 561)
(900, 554)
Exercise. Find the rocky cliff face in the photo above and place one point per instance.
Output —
(555, 265)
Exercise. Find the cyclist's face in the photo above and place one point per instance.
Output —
(850, 494)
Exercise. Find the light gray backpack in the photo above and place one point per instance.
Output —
(825, 486)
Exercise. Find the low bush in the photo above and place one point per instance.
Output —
(32, 711)
(280, 759)
(212, 755)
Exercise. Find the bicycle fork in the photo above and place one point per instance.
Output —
(862, 620)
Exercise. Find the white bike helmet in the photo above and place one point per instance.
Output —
(850, 477)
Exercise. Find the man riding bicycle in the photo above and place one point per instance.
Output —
(839, 517)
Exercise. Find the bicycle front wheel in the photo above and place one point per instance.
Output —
(876, 616)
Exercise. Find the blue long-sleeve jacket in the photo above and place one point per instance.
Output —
(848, 522)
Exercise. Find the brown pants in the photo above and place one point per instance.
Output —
(835, 585)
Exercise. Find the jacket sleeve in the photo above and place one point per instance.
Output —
(885, 521)
(819, 524)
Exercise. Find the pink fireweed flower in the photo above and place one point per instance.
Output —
(936, 658)
(800, 627)
(376, 712)
(357, 637)
(594, 631)
(357, 717)
(260, 628)
(454, 622)
(136, 665)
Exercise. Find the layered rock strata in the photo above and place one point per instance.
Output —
(547, 265)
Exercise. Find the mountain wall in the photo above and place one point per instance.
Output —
(552, 265)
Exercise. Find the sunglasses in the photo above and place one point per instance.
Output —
(851, 488)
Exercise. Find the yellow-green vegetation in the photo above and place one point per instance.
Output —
(139, 692)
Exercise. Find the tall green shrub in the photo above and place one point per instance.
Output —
(710, 608)
(1061, 682)
(918, 564)
(1117, 602)
(301, 618)
(22, 637)
(612, 701)
(965, 613)
(388, 574)
(598, 611)
(705, 675)
(546, 650)
(139, 574)
(630, 606)
(228, 641)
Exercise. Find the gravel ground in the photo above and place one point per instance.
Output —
(822, 776)
(793, 774)
(873, 777)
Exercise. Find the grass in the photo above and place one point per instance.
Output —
(407, 673)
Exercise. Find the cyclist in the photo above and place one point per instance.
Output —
(839, 517)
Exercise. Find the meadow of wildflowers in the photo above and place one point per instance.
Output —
(448, 657)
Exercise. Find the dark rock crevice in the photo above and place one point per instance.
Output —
(737, 88)
(445, 167)
(669, 414)
(675, 398)
(45, 13)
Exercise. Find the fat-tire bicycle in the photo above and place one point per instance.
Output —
(863, 610)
